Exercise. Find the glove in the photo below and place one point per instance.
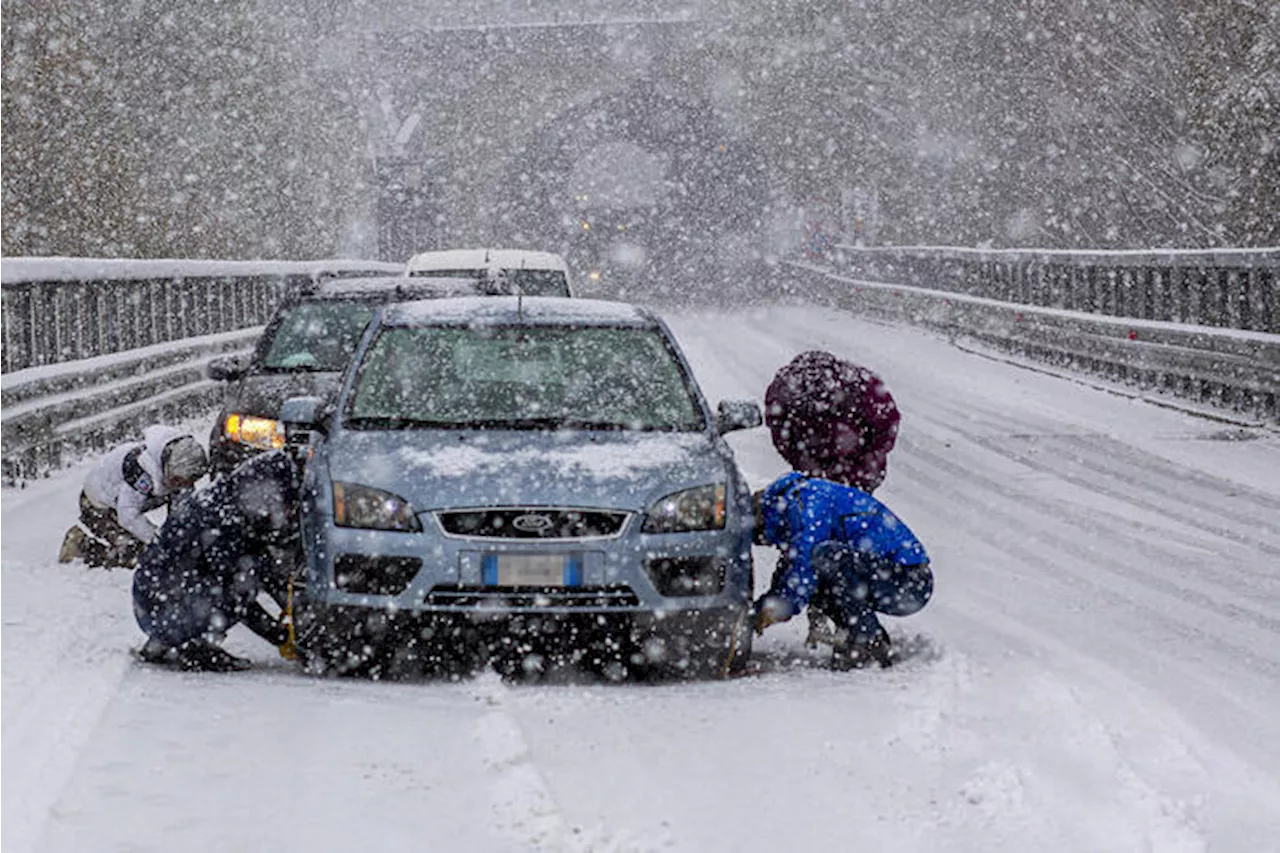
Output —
(770, 609)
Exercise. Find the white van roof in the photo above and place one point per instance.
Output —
(478, 259)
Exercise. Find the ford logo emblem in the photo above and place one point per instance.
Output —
(531, 522)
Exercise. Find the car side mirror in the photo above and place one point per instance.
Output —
(737, 414)
(227, 368)
(300, 416)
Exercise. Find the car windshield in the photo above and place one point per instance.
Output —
(523, 377)
(317, 336)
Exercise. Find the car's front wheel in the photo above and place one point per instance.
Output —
(697, 646)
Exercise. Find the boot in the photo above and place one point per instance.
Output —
(823, 631)
(154, 651)
(72, 545)
(203, 656)
(862, 650)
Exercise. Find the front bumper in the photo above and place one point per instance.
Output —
(631, 574)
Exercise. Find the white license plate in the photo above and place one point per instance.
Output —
(529, 570)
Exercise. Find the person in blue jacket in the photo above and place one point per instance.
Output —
(846, 557)
(211, 558)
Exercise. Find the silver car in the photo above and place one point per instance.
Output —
(520, 481)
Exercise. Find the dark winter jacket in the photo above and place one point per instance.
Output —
(210, 559)
(800, 513)
(832, 419)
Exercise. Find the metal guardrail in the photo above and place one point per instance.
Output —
(93, 350)
(65, 309)
(1232, 369)
(1223, 288)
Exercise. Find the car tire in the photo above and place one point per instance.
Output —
(333, 644)
(709, 647)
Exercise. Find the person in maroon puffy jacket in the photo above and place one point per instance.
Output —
(832, 419)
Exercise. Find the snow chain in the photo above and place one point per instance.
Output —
(289, 651)
(733, 642)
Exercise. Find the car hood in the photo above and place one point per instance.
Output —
(263, 393)
(434, 469)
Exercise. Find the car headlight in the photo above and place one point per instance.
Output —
(371, 509)
(699, 508)
(262, 433)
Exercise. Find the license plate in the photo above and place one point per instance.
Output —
(531, 570)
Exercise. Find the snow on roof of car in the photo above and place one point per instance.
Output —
(509, 309)
(448, 259)
(394, 286)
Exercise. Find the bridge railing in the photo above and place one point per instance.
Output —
(1010, 304)
(1223, 288)
(95, 349)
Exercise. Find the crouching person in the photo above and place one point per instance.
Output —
(847, 557)
(127, 483)
(210, 560)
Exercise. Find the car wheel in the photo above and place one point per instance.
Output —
(706, 647)
(336, 644)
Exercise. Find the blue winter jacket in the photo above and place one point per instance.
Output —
(800, 513)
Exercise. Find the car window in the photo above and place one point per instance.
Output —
(531, 282)
(455, 273)
(539, 282)
(524, 377)
(317, 336)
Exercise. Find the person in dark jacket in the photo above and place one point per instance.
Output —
(846, 556)
(832, 419)
(203, 572)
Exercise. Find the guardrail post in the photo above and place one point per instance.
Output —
(1220, 298)
(1237, 309)
(1267, 290)
(6, 335)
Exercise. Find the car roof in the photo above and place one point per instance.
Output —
(483, 258)
(509, 310)
(388, 288)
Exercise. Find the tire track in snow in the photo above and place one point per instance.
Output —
(1251, 511)
(523, 807)
(1093, 522)
(1110, 626)
(1004, 531)
(1212, 567)
(64, 684)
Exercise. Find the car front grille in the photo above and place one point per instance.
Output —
(533, 523)
(496, 597)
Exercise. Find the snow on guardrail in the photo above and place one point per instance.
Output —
(1231, 369)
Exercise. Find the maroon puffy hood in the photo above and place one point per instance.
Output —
(832, 419)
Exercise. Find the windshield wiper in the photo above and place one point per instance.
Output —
(301, 368)
(392, 422)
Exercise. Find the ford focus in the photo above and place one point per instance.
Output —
(513, 480)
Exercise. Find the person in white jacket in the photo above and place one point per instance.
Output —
(127, 483)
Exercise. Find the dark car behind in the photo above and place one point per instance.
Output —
(302, 352)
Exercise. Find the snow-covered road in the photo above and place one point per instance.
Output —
(1099, 670)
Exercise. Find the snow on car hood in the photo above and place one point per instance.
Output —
(605, 469)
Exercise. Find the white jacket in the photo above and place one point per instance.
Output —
(108, 486)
